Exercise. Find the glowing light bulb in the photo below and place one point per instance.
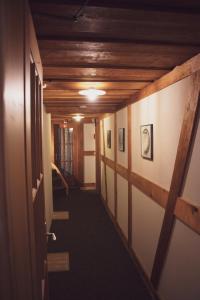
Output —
(77, 118)
(92, 94)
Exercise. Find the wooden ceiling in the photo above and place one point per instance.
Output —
(117, 46)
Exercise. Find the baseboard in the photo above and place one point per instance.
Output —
(88, 186)
(141, 271)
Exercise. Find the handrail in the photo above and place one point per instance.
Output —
(61, 176)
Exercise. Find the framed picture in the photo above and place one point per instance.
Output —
(108, 138)
(146, 132)
(121, 139)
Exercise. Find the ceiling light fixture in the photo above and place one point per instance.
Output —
(77, 118)
(92, 94)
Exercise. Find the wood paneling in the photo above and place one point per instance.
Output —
(98, 151)
(115, 161)
(111, 23)
(104, 155)
(166, 5)
(129, 120)
(112, 48)
(109, 74)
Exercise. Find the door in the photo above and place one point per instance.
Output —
(39, 223)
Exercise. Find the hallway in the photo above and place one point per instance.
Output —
(100, 267)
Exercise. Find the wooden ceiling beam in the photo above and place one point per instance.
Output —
(191, 6)
(68, 93)
(58, 44)
(108, 55)
(57, 101)
(100, 74)
(141, 25)
(82, 111)
(110, 85)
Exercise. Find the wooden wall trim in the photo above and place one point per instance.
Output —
(129, 118)
(115, 160)
(89, 153)
(34, 48)
(98, 151)
(182, 156)
(186, 212)
(104, 152)
(178, 73)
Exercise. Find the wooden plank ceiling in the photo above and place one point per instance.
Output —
(117, 46)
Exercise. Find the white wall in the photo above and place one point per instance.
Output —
(110, 189)
(89, 136)
(122, 204)
(165, 110)
(147, 218)
(89, 163)
(122, 122)
(89, 169)
(191, 188)
(48, 194)
(109, 125)
(103, 188)
(180, 278)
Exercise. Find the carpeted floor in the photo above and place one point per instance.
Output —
(100, 267)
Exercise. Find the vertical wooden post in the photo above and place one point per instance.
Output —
(129, 174)
(115, 160)
(182, 156)
(104, 154)
(98, 152)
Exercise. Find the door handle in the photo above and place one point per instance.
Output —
(52, 235)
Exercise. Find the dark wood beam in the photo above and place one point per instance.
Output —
(100, 74)
(192, 6)
(111, 23)
(179, 73)
(109, 85)
(107, 54)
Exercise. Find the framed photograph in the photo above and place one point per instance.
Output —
(146, 132)
(121, 139)
(108, 138)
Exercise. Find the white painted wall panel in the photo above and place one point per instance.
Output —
(147, 218)
(122, 122)
(110, 187)
(101, 138)
(89, 169)
(165, 111)
(103, 189)
(89, 136)
(180, 278)
(191, 188)
(122, 204)
(109, 125)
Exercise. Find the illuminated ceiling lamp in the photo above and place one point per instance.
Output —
(92, 94)
(77, 118)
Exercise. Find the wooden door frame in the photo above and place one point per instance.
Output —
(17, 261)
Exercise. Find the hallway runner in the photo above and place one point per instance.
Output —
(100, 267)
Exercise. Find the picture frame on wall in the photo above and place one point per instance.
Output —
(109, 139)
(121, 139)
(146, 133)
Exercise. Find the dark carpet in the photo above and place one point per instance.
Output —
(100, 267)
